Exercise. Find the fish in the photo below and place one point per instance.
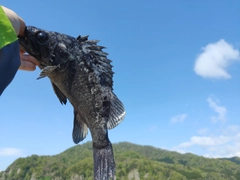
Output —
(80, 73)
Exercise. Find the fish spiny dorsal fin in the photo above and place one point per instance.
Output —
(82, 38)
(96, 48)
(99, 53)
(92, 42)
(97, 60)
(117, 112)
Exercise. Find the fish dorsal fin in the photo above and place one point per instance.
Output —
(97, 60)
(117, 112)
(80, 129)
(82, 38)
(62, 98)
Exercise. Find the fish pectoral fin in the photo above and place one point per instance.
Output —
(46, 71)
(62, 98)
(117, 112)
(80, 129)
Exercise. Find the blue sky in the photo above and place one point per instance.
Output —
(177, 71)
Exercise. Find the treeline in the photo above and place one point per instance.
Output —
(133, 162)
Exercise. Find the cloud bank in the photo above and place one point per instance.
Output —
(225, 145)
(214, 60)
(216, 141)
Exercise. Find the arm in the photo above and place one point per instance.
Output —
(10, 26)
(16, 21)
(28, 62)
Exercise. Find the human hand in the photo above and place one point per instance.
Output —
(28, 62)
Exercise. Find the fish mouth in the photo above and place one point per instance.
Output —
(27, 44)
(23, 43)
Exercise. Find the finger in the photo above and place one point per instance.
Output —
(27, 66)
(22, 51)
(29, 58)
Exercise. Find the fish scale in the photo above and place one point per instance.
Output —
(81, 73)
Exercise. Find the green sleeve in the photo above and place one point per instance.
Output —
(7, 33)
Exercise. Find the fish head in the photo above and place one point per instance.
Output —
(48, 47)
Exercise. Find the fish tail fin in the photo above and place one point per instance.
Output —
(104, 165)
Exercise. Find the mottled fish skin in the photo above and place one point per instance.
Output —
(81, 72)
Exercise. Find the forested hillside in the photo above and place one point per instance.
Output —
(133, 162)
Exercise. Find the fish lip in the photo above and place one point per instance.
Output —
(23, 40)
(23, 43)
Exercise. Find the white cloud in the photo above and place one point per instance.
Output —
(205, 141)
(226, 144)
(202, 131)
(179, 118)
(220, 110)
(10, 152)
(214, 60)
(232, 129)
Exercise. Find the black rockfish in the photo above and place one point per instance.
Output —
(80, 72)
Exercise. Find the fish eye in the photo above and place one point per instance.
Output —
(41, 37)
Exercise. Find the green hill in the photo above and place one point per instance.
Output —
(133, 162)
